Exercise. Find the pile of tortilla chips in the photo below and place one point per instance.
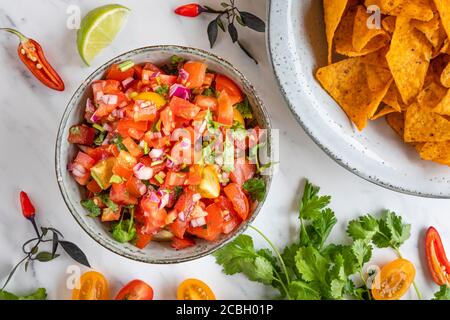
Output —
(397, 67)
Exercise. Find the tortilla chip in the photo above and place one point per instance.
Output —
(362, 35)
(445, 76)
(376, 80)
(394, 99)
(408, 58)
(412, 9)
(383, 111)
(443, 108)
(377, 58)
(443, 7)
(388, 24)
(344, 37)
(346, 82)
(425, 126)
(430, 29)
(397, 122)
(436, 151)
(445, 47)
(431, 96)
(334, 10)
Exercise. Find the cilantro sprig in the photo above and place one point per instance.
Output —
(312, 268)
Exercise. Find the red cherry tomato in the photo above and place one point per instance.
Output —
(136, 290)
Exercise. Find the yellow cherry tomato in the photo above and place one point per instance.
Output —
(395, 279)
(210, 185)
(193, 289)
(92, 286)
(157, 99)
(237, 117)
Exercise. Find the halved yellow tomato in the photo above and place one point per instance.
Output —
(395, 279)
(157, 99)
(194, 289)
(93, 286)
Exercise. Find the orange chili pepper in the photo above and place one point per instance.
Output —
(31, 54)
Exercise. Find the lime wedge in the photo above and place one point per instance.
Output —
(98, 30)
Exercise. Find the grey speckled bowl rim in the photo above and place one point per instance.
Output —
(279, 74)
(202, 54)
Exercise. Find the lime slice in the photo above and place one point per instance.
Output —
(99, 28)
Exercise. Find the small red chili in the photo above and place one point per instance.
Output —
(32, 55)
(190, 10)
(28, 210)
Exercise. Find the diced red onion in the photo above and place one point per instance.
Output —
(164, 195)
(78, 170)
(185, 143)
(123, 104)
(142, 172)
(180, 91)
(153, 197)
(142, 189)
(95, 118)
(127, 83)
(155, 75)
(183, 74)
(110, 99)
(182, 216)
(99, 96)
(196, 197)
(107, 140)
(118, 113)
(199, 222)
(156, 154)
(90, 106)
(202, 128)
(107, 127)
(154, 135)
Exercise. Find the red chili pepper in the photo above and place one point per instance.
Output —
(437, 260)
(32, 55)
(190, 10)
(28, 210)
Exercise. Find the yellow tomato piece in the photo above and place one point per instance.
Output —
(92, 286)
(394, 280)
(193, 289)
(237, 116)
(157, 99)
(103, 171)
(210, 185)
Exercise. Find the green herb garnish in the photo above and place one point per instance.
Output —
(125, 230)
(245, 109)
(126, 65)
(91, 207)
(256, 187)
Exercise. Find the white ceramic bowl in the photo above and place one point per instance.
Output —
(297, 46)
(157, 253)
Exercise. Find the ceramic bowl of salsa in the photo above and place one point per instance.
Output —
(72, 178)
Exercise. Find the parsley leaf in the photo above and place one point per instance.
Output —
(89, 205)
(256, 187)
(392, 231)
(118, 142)
(108, 202)
(245, 109)
(311, 264)
(230, 256)
(209, 92)
(301, 290)
(363, 228)
(100, 138)
(362, 251)
(443, 293)
(162, 90)
(124, 231)
(311, 204)
(176, 60)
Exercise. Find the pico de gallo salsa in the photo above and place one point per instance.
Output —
(167, 153)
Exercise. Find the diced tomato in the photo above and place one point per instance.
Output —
(123, 172)
(157, 143)
(180, 244)
(197, 74)
(84, 160)
(99, 153)
(137, 72)
(206, 102)
(214, 224)
(105, 87)
(178, 228)
(183, 108)
(93, 186)
(108, 215)
(243, 171)
(120, 195)
(167, 80)
(186, 202)
(175, 179)
(126, 160)
(142, 239)
(167, 120)
(136, 187)
(114, 73)
(84, 180)
(81, 134)
(224, 83)
(209, 79)
(133, 148)
(182, 153)
(195, 175)
(131, 128)
(230, 225)
(224, 203)
(225, 114)
(239, 200)
(145, 114)
(152, 67)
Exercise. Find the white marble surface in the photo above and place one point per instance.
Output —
(30, 115)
